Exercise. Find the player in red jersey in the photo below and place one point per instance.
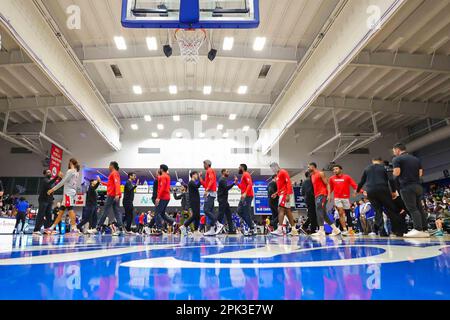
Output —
(322, 194)
(340, 185)
(285, 192)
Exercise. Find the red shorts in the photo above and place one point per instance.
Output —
(284, 204)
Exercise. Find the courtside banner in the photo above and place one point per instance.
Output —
(299, 199)
(261, 201)
(55, 160)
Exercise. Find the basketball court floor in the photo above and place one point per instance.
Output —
(223, 268)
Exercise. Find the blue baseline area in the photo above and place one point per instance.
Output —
(229, 267)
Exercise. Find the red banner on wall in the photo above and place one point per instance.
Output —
(55, 160)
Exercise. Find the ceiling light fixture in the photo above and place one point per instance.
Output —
(173, 89)
(137, 89)
(152, 44)
(207, 90)
(259, 43)
(120, 43)
(228, 43)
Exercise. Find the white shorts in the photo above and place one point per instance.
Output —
(69, 201)
(283, 204)
(342, 203)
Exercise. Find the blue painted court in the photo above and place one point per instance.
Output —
(229, 267)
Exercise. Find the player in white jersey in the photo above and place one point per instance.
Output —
(70, 181)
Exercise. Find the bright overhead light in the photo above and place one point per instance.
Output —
(204, 117)
(173, 89)
(154, 135)
(176, 118)
(134, 126)
(179, 134)
(120, 43)
(246, 128)
(137, 89)
(233, 116)
(201, 135)
(151, 43)
(147, 118)
(160, 126)
(259, 43)
(225, 135)
(220, 127)
(228, 43)
(242, 90)
(207, 90)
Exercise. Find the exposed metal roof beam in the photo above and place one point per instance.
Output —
(420, 109)
(39, 36)
(403, 61)
(109, 54)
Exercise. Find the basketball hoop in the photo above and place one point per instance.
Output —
(190, 42)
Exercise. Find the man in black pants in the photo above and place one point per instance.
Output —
(44, 216)
(128, 198)
(194, 203)
(273, 202)
(376, 182)
(408, 171)
(222, 197)
(2, 191)
(90, 209)
(308, 195)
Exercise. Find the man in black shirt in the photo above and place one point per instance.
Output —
(90, 209)
(2, 191)
(128, 198)
(222, 197)
(45, 201)
(273, 202)
(194, 203)
(409, 171)
(376, 181)
(155, 186)
(183, 196)
(308, 195)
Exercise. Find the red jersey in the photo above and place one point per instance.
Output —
(113, 185)
(340, 185)
(164, 187)
(210, 182)
(320, 188)
(246, 184)
(284, 185)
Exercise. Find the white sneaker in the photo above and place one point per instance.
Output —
(416, 234)
(92, 231)
(183, 231)
(372, 234)
(335, 232)
(344, 233)
(279, 232)
(37, 233)
(197, 233)
(219, 228)
(319, 234)
(211, 232)
(116, 233)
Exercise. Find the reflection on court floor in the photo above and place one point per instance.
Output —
(229, 267)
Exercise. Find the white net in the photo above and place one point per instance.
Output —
(190, 42)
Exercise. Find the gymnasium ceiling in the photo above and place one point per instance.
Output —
(404, 70)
